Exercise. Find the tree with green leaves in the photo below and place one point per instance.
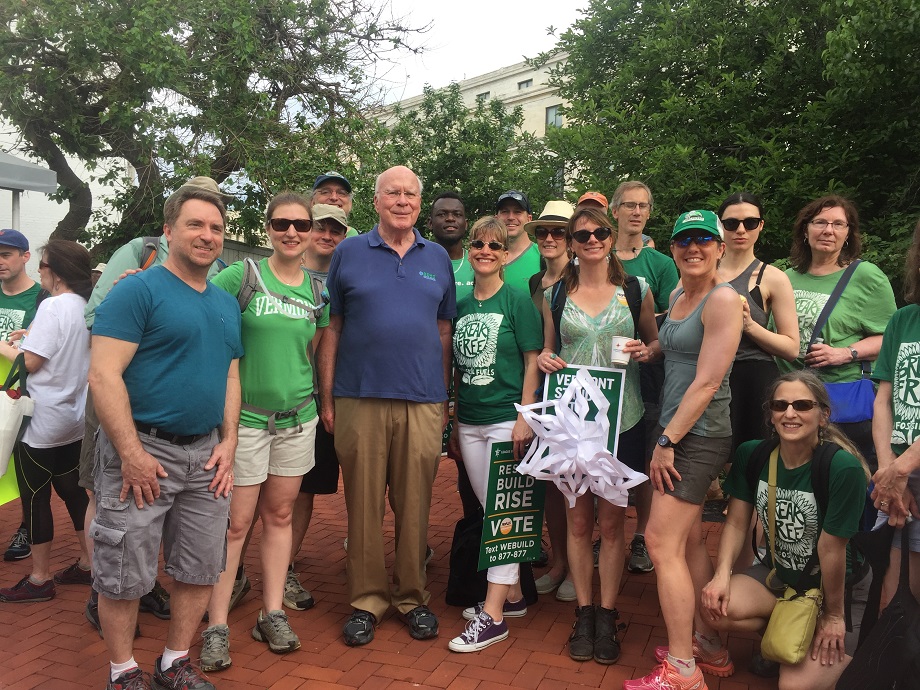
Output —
(234, 89)
(700, 98)
(478, 152)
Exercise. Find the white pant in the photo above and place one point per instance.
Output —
(474, 446)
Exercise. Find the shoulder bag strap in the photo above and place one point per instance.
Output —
(771, 504)
(832, 301)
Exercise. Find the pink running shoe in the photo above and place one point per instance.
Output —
(718, 664)
(666, 677)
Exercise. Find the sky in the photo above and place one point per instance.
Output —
(471, 37)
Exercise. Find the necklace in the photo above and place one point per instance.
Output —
(289, 283)
(634, 250)
(460, 265)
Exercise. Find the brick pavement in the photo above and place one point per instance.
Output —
(50, 645)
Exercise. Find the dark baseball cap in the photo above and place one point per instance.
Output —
(14, 238)
(332, 175)
(518, 197)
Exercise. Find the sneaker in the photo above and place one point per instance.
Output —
(26, 591)
(74, 575)
(274, 629)
(92, 615)
(359, 629)
(423, 625)
(295, 595)
(546, 583)
(718, 664)
(481, 632)
(596, 550)
(581, 641)
(156, 601)
(182, 675)
(606, 644)
(639, 561)
(566, 591)
(215, 648)
(666, 676)
(241, 588)
(19, 547)
(510, 609)
(135, 679)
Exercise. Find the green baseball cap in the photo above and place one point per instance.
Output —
(707, 221)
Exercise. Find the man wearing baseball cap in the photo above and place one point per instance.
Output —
(18, 302)
(513, 209)
(333, 188)
(592, 200)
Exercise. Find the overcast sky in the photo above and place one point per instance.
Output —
(472, 37)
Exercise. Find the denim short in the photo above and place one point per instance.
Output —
(187, 518)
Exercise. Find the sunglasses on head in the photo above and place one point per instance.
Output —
(282, 224)
(699, 240)
(731, 224)
(493, 245)
(797, 405)
(600, 234)
(543, 233)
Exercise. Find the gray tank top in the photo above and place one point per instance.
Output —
(681, 341)
(748, 349)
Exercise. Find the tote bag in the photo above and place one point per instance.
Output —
(16, 408)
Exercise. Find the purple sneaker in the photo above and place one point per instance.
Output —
(510, 609)
(480, 633)
(26, 591)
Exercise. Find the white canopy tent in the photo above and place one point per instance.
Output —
(18, 176)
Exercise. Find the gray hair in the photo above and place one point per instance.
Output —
(377, 181)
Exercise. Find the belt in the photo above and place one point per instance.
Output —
(164, 435)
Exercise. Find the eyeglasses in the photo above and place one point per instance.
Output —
(543, 233)
(731, 224)
(633, 205)
(282, 224)
(698, 240)
(493, 245)
(394, 194)
(820, 224)
(797, 405)
(44, 264)
(600, 234)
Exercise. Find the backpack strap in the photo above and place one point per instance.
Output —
(821, 474)
(633, 292)
(556, 305)
(148, 252)
(252, 283)
(756, 463)
(535, 280)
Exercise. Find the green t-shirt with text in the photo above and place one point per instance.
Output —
(463, 275)
(489, 341)
(275, 371)
(17, 311)
(899, 363)
(798, 520)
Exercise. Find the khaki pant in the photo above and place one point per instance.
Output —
(387, 443)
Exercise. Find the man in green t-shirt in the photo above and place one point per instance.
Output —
(448, 225)
(18, 302)
(513, 209)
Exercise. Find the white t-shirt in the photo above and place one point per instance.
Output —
(58, 334)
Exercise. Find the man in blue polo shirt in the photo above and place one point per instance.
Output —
(383, 367)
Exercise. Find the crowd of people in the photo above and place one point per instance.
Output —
(371, 353)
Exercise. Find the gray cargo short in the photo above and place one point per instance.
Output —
(187, 518)
(698, 459)
(88, 446)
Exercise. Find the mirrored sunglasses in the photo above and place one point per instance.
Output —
(699, 240)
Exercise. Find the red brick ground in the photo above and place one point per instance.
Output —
(50, 645)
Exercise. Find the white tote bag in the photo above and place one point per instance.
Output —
(16, 408)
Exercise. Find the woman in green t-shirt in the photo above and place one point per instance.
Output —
(281, 324)
(799, 412)
(496, 339)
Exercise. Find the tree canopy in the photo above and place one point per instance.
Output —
(700, 98)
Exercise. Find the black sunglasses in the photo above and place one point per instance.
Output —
(797, 405)
(731, 224)
(699, 240)
(493, 245)
(600, 234)
(282, 224)
(543, 233)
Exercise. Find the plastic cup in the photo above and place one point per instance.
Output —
(617, 356)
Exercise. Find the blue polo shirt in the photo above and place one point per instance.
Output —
(390, 347)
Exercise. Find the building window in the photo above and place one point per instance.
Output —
(526, 84)
(484, 96)
(553, 116)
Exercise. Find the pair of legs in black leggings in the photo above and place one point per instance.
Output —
(37, 470)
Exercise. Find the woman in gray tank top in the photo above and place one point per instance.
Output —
(699, 337)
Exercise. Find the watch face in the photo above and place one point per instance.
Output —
(664, 441)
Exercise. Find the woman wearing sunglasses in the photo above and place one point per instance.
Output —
(693, 446)
(277, 421)
(798, 412)
(595, 311)
(766, 293)
(825, 242)
(549, 231)
(497, 336)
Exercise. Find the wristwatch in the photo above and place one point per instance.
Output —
(665, 442)
(854, 354)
